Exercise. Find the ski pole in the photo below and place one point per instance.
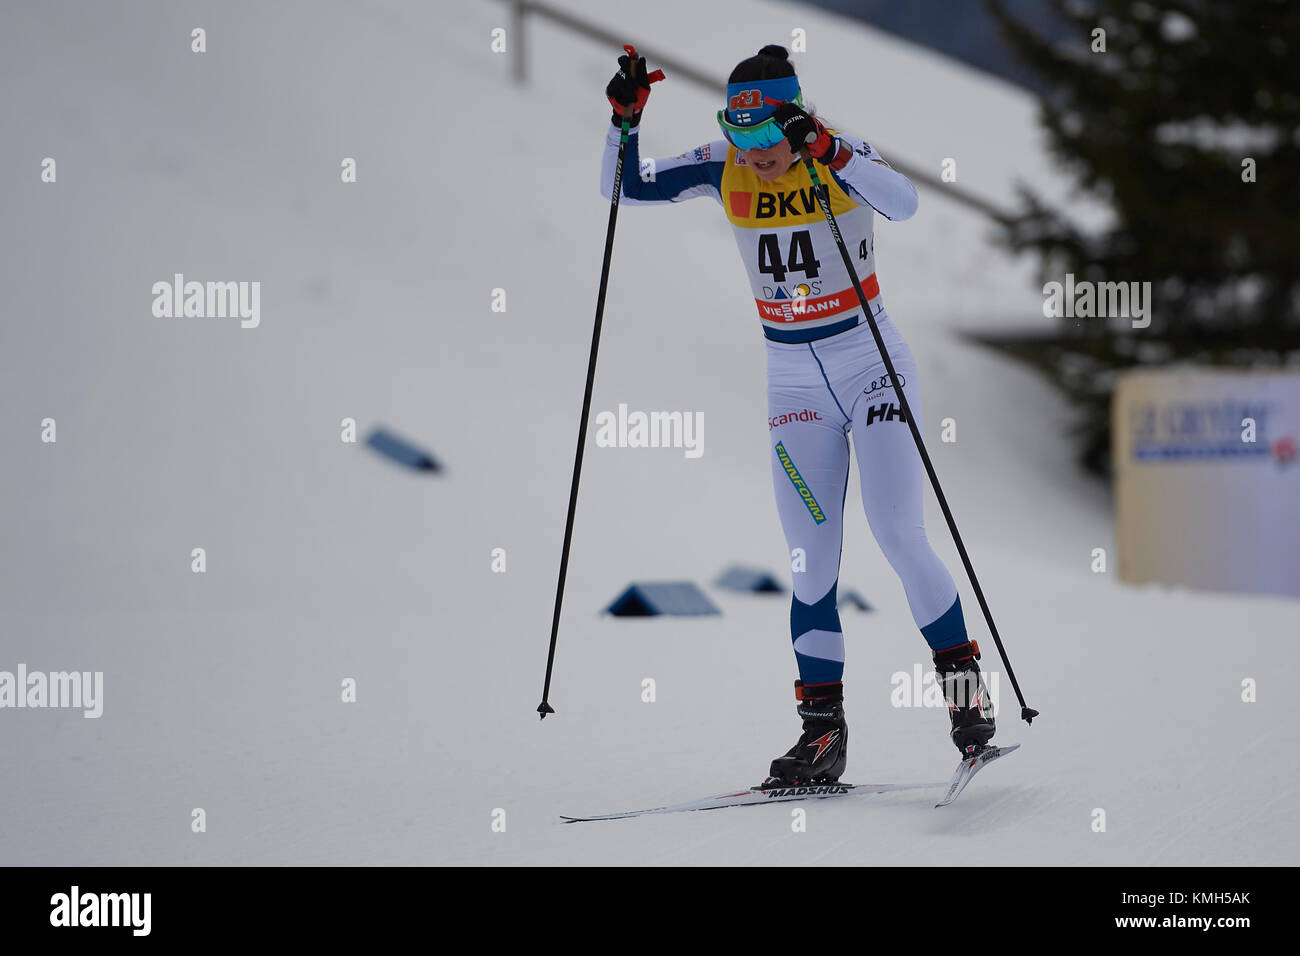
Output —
(823, 198)
(544, 707)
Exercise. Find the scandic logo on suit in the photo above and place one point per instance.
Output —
(805, 415)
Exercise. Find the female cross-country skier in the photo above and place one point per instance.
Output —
(825, 378)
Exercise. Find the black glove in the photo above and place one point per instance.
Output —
(623, 90)
(626, 90)
(802, 129)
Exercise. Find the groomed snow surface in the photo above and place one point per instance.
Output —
(222, 690)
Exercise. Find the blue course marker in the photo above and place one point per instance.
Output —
(402, 451)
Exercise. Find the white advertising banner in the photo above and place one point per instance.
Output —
(1207, 479)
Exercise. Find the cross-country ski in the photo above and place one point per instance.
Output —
(970, 766)
(756, 796)
(760, 796)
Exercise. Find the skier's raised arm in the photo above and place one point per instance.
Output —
(696, 173)
(865, 171)
(854, 163)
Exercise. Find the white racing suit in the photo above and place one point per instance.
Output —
(825, 375)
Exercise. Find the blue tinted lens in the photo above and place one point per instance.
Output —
(762, 136)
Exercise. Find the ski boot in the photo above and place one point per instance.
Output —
(821, 752)
(969, 704)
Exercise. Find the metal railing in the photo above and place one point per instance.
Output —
(521, 10)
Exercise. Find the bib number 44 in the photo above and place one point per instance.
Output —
(800, 258)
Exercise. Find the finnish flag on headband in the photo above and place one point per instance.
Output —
(746, 101)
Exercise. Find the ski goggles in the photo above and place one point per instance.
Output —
(760, 136)
(747, 122)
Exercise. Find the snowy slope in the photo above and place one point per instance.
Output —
(324, 562)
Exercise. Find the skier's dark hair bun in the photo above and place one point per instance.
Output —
(767, 64)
